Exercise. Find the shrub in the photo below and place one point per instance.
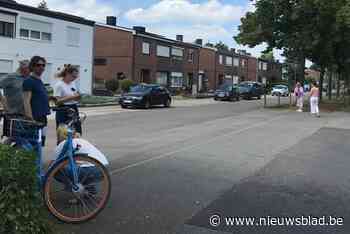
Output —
(126, 84)
(21, 205)
(112, 85)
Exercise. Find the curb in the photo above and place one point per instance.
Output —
(99, 105)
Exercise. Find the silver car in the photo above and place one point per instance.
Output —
(280, 90)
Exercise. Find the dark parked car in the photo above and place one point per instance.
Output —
(249, 90)
(145, 96)
(227, 92)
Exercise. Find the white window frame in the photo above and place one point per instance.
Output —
(179, 77)
(221, 59)
(146, 48)
(264, 66)
(236, 62)
(190, 55)
(70, 43)
(174, 51)
(46, 27)
(160, 79)
(229, 61)
(161, 53)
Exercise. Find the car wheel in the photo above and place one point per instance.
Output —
(167, 103)
(259, 97)
(123, 106)
(215, 99)
(237, 98)
(147, 104)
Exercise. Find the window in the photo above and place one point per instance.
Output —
(24, 33)
(162, 78)
(177, 52)
(176, 79)
(190, 55)
(243, 61)
(163, 51)
(100, 61)
(264, 68)
(221, 59)
(35, 35)
(7, 25)
(35, 29)
(229, 61)
(46, 36)
(6, 29)
(145, 48)
(5, 67)
(73, 36)
(236, 62)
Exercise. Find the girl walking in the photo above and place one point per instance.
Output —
(314, 95)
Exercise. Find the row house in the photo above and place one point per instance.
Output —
(150, 58)
(62, 39)
(172, 63)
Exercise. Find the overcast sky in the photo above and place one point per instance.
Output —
(211, 20)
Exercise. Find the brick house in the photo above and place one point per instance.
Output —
(113, 52)
(172, 63)
(207, 68)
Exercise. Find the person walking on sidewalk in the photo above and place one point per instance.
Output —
(299, 94)
(314, 97)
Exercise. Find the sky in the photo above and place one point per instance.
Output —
(210, 20)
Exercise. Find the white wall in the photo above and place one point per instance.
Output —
(56, 52)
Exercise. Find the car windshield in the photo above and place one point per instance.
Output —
(140, 89)
(280, 87)
(246, 85)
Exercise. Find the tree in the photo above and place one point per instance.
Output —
(221, 46)
(43, 5)
(268, 56)
(208, 44)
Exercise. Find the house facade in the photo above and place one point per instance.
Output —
(172, 63)
(113, 53)
(60, 38)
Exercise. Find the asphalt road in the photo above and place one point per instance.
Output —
(173, 168)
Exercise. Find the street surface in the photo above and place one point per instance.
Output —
(172, 169)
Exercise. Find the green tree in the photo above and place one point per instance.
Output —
(268, 56)
(221, 46)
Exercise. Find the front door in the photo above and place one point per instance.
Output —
(145, 76)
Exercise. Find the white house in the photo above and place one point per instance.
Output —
(26, 31)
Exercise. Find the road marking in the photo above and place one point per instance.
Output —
(261, 123)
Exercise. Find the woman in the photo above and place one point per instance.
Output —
(67, 95)
(299, 94)
(314, 94)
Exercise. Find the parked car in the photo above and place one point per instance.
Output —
(280, 90)
(145, 96)
(250, 89)
(227, 92)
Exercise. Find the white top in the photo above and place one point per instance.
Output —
(62, 89)
(86, 148)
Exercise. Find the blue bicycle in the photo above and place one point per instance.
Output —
(76, 187)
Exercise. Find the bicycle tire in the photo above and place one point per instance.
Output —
(82, 198)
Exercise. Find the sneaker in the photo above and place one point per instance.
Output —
(299, 110)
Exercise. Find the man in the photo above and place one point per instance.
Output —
(36, 101)
(12, 86)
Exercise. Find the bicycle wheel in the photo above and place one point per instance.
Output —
(80, 203)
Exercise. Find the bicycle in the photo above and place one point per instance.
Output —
(75, 187)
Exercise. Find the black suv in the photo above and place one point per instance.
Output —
(227, 92)
(145, 96)
(248, 90)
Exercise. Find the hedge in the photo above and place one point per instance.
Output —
(21, 206)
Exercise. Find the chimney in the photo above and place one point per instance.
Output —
(139, 29)
(233, 50)
(111, 20)
(199, 41)
(180, 38)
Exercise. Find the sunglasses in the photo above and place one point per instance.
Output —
(40, 65)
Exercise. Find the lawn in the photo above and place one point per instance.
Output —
(93, 100)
